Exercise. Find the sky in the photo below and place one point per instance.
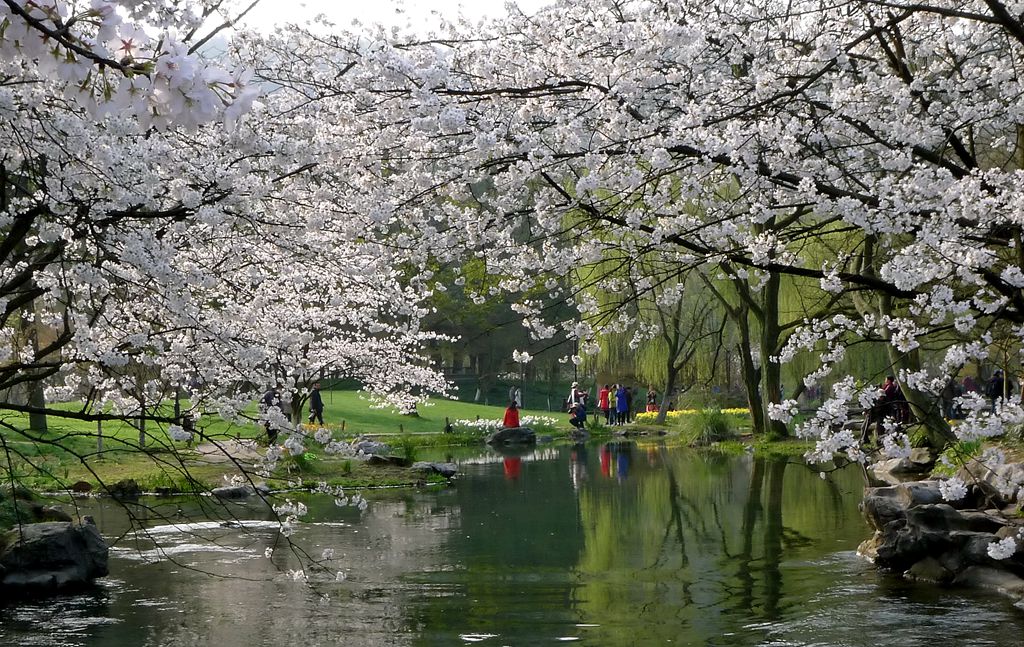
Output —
(420, 14)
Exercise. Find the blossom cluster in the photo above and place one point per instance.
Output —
(116, 56)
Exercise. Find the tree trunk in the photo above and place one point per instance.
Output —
(771, 371)
(751, 376)
(666, 397)
(142, 423)
(34, 395)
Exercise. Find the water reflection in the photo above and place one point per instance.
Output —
(513, 466)
(606, 544)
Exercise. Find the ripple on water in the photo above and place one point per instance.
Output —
(65, 621)
(162, 553)
(476, 638)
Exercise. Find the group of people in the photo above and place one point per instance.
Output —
(892, 403)
(272, 398)
(614, 401)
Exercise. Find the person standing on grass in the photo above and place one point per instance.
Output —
(621, 405)
(604, 404)
(269, 400)
(316, 405)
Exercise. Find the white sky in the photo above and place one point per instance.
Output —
(419, 14)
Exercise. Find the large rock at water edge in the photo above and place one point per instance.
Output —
(45, 558)
(371, 447)
(234, 491)
(446, 470)
(513, 436)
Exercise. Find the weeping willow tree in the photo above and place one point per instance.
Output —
(670, 317)
(671, 334)
(687, 348)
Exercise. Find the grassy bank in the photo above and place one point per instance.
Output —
(72, 450)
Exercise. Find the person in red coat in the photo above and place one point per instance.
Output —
(511, 416)
(604, 403)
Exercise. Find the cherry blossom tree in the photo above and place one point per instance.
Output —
(152, 250)
(732, 132)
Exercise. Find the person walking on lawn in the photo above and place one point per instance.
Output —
(316, 405)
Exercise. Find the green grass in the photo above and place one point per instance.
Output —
(348, 408)
(68, 452)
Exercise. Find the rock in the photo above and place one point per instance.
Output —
(1013, 476)
(882, 506)
(397, 461)
(234, 491)
(446, 470)
(997, 486)
(896, 466)
(973, 547)
(513, 436)
(955, 538)
(49, 513)
(923, 457)
(45, 558)
(930, 569)
(868, 548)
(914, 493)
(993, 579)
(370, 447)
(81, 487)
(127, 489)
(944, 517)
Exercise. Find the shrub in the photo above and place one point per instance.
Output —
(957, 454)
(707, 426)
(407, 447)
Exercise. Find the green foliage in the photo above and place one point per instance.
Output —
(172, 482)
(407, 448)
(956, 455)
(918, 435)
(707, 426)
(13, 510)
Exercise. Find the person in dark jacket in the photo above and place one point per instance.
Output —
(270, 399)
(316, 405)
(996, 389)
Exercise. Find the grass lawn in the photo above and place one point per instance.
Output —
(69, 450)
(359, 418)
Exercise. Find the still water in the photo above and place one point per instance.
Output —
(606, 544)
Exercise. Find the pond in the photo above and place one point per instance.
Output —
(603, 544)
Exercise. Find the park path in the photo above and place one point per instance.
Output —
(229, 451)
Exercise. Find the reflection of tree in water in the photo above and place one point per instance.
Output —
(694, 538)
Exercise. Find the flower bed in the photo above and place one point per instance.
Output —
(648, 417)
